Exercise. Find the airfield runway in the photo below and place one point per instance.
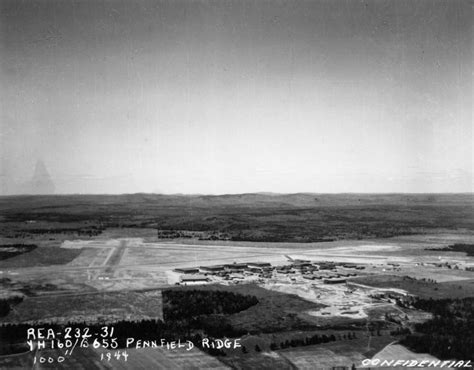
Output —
(131, 263)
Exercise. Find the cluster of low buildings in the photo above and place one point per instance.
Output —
(201, 274)
(327, 271)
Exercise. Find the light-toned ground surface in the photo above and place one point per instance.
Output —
(351, 301)
(320, 358)
(387, 357)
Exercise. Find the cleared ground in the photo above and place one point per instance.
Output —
(88, 307)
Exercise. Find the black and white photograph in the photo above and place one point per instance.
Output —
(236, 184)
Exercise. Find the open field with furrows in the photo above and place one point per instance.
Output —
(162, 358)
(321, 356)
(251, 217)
(97, 359)
(397, 351)
(345, 352)
(140, 359)
(258, 352)
(339, 353)
(88, 307)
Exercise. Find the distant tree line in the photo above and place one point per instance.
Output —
(311, 340)
(458, 247)
(87, 231)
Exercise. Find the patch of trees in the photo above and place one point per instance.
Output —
(458, 247)
(201, 235)
(87, 231)
(12, 250)
(4, 308)
(188, 304)
(450, 333)
(173, 234)
(311, 340)
(5, 304)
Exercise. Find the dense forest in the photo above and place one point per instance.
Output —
(188, 304)
(302, 217)
(449, 334)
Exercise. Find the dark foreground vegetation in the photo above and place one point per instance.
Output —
(188, 314)
(450, 334)
(246, 217)
(6, 304)
(188, 304)
(466, 248)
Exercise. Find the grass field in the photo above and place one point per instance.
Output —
(321, 356)
(339, 353)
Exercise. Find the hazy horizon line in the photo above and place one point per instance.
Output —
(269, 193)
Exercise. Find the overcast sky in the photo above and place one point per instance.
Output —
(237, 96)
